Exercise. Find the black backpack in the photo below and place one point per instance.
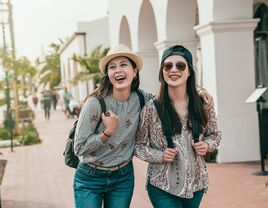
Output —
(70, 158)
(196, 127)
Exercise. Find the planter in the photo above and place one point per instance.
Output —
(3, 164)
(2, 169)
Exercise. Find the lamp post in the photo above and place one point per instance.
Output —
(9, 123)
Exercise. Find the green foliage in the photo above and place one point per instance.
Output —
(2, 101)
(4, 134)
(91, 65)
(29, 136)
(19, 69)
(50, 67)
(2, 84)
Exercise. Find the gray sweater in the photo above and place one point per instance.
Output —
(120, 146)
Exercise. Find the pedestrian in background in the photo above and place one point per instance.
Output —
(67, 96)
(46, 101)
(35, 100)
(54, 97)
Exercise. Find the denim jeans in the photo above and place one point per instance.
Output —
(162, 199)
(93, 187)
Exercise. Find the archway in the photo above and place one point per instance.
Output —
(147, 36)
(124, 33)
(181, 18)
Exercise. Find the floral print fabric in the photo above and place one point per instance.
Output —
(188, 172)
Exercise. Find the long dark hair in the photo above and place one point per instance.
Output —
(168, 113)
(105, 86)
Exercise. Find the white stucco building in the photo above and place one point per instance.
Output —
(88, 36)
(221, 35)
(222, 31)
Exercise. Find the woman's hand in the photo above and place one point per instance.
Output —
(208, 99)
(169, 155)
(201, 148)
(110, 121)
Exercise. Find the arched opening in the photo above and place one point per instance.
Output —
(181, 18)
(124, 33)
(147, 36)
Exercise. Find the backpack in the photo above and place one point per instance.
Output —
(196, 127)
(70, 158)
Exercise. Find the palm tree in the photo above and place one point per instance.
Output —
(26, 72)
(50, 67)
(91, 66)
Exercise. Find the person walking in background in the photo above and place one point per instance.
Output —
(105, 173)
(67, 96)
(177, 174)
(46, 101)
(35, 100)
(54, 97)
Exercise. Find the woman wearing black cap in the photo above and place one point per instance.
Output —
(177, 173)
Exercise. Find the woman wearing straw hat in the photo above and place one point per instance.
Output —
(105, 172)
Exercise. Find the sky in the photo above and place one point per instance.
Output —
(37, 23)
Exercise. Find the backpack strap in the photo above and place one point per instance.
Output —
(72, 131)
(196, 126)
(196, 129)
(141, 97)
(166, 129)
(103, 110)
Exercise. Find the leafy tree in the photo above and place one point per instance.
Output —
(26, 72)
(91, 65)
(50, 67)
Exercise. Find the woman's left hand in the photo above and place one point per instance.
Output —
(208, 99)
(201, 148)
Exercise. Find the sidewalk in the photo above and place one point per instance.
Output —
(36, 176)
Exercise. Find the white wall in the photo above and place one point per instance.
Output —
(67, 65)
(96, 33)
(227, 56)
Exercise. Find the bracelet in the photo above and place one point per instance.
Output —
(106, 134)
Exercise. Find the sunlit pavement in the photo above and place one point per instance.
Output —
(36, 176)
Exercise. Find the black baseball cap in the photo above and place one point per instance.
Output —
(177, 50)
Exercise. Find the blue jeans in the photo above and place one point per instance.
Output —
(94, 187)
(162, 199)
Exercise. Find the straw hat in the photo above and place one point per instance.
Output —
(120, 50)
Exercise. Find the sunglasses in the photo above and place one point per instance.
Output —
(181, 66)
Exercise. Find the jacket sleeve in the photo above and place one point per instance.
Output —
(147, 95)
(143, 149)
(212, 135)
(86, 138)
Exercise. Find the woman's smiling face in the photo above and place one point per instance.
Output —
(175, 71)
(121, 73)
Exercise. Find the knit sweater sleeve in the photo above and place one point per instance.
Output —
(86, 138)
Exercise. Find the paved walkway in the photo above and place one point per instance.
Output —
(36, 176)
